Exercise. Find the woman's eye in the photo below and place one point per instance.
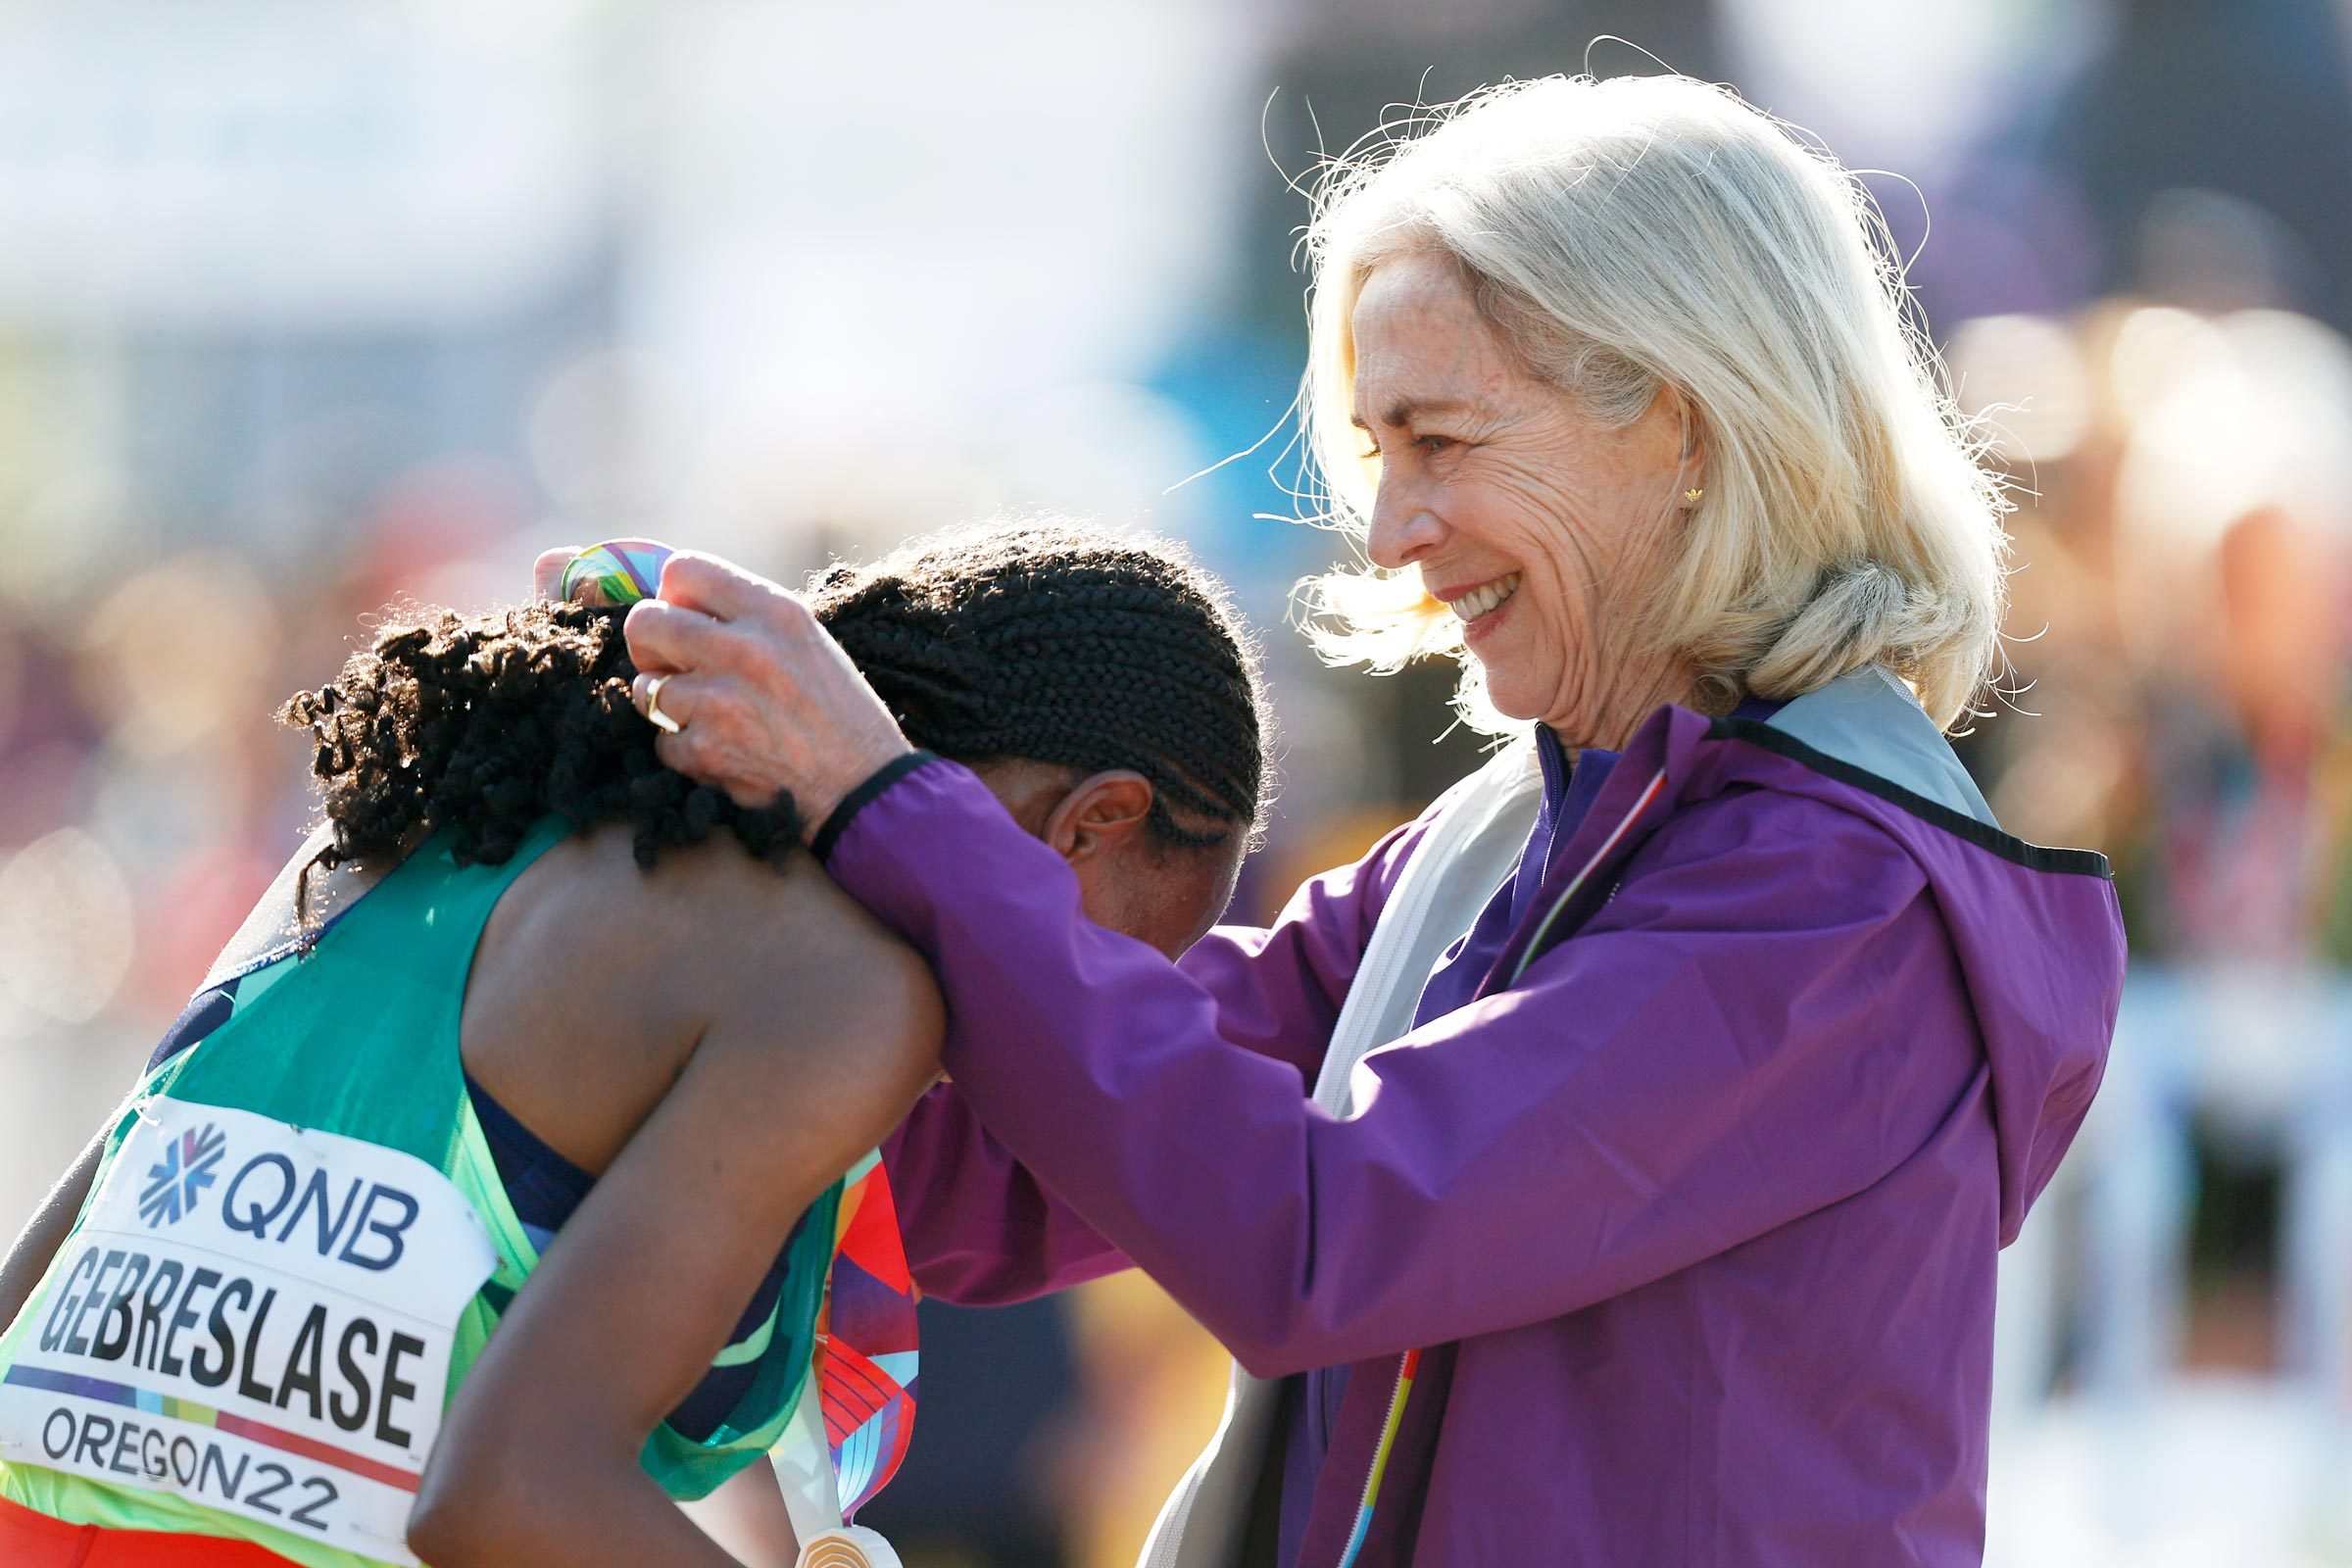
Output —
(1429, 444)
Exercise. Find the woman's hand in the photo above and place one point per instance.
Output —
(762, 698)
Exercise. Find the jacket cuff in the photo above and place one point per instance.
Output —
(864, 795)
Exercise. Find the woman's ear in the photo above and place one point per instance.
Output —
(1693, 453)
(1101, 812)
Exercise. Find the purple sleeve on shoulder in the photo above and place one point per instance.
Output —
(1682, 1078)
(979, 1228)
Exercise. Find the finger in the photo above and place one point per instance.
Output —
(722, 589)
(698, 760)
(677, 695)
(664, 637)
(547, 572)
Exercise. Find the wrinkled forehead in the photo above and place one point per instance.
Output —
(1419, 339)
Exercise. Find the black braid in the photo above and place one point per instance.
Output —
(1070, 646)
(1057, 645)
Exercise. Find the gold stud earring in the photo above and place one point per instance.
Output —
(1692, 495)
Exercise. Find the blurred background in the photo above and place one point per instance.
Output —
(306, 307)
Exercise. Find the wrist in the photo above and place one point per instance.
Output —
(864, 794)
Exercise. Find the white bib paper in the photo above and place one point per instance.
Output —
(256, 1317)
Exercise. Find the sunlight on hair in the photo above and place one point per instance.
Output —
(1639, 232)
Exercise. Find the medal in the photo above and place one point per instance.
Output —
(850, 1546)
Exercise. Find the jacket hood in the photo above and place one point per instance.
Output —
(2038, 932)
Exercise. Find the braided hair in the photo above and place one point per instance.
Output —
(1069, 645)
(1055, 644)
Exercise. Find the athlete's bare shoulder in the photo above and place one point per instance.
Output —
(748, 933)
(597, 979)
(701, 914)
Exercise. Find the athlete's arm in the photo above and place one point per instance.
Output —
(802, 1066)
(43, 1234)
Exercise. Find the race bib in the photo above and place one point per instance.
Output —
(257, 1318)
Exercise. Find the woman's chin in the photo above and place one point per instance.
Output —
(1525, 701)
(1509, 698)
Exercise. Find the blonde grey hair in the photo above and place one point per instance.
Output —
(1645, 232)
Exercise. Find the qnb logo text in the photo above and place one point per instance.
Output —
(353, 1219)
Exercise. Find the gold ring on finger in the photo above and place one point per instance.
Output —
(653, 707)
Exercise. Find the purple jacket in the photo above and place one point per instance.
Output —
(1693, 1212)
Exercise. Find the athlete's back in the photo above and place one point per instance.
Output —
(356, 1069)
(625, 1038)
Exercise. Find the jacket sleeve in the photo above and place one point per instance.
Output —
(980, 1230)
(1764, 1020)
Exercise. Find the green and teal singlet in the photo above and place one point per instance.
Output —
(299, 1240)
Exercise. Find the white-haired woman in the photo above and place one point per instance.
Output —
(1728, 1037)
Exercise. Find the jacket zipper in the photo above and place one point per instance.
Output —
(1411, 1362)
(1608, 846)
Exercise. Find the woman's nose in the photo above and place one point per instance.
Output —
(1403, 530)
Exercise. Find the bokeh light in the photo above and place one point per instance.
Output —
(308, 310)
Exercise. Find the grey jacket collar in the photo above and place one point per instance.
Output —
(1868, 719)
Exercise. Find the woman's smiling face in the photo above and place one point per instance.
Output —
(1544, 529)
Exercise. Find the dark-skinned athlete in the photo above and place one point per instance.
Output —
(537, 1037)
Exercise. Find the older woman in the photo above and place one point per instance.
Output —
(1664, 1230)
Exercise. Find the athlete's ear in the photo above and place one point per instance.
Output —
(1102, 812)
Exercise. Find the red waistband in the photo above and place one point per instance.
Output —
(29, 1540)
